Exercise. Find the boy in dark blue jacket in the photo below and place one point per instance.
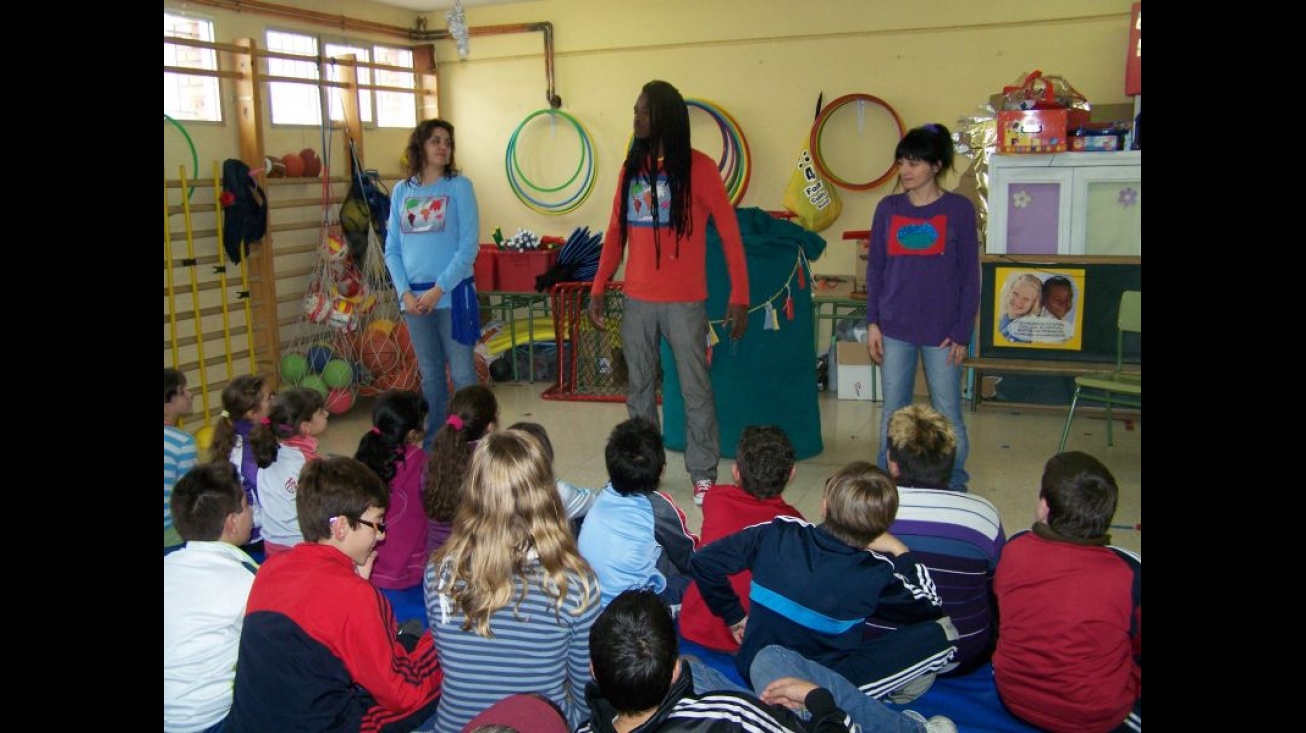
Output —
(814, 586)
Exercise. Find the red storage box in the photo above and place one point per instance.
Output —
(1038, 130)
(486, 268)
(516, 271)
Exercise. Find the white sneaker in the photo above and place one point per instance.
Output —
(913, 689)
(937, 724)
(701, 487)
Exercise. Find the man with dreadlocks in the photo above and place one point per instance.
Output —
(667, 192)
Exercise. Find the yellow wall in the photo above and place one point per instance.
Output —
(763, 61)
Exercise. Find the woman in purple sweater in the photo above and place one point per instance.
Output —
(922, 286)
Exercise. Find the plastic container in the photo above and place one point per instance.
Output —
(516, 271)
(1096, 140)
(485, 268)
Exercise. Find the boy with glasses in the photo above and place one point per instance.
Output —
(320, 648)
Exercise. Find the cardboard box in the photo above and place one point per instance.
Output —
(516, 271)
(1037, 130)
(858, 378)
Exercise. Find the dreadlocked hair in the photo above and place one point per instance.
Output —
(669, 133)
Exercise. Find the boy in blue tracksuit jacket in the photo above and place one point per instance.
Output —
(635, 536)
(814, 586)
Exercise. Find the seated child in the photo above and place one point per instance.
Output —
(635, 536)
(393, 448)
(244, 404)
(205, 586)
(764, 464)
(814, 586)
(473, 412)
(320, 649)
(957, 535)
(1070, 637)
(576, 501)
(641, 683)
(509, 600)
(283, 443)
(179, 451)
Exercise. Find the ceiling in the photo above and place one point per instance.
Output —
(429, 6)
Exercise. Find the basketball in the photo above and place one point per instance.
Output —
(339, 401)
(294, 165)
(337, 373)
(294, 367)
(405, 342)
(409, 377)
(312, 163)
(379, 354)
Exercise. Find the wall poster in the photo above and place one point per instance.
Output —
(1039, 308)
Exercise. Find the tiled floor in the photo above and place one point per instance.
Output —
(1008, 450)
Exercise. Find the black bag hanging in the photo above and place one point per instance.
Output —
(366, 204)
(245, 210)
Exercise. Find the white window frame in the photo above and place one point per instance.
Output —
(289, 102)
(292, 103)
(193, 98)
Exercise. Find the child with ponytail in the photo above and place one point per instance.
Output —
(473, 412)
(244, 405)
(393, 449)
(283, 442)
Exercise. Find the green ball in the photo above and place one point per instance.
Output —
(337, 373)
(293, 367)
(313, 381)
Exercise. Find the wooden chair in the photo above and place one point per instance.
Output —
(1114, 387)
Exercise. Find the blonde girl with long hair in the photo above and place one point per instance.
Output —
(509, 599)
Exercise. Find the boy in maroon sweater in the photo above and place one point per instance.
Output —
(1070, 606)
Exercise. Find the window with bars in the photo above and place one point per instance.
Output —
(188, 96)
(299, 104)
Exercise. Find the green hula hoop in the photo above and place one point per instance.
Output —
(513, 171)
(512, 151)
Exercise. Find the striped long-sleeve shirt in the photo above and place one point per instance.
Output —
(179, 456)
(532, 648)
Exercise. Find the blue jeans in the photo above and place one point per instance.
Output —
(710, 679)
(774, 662)
(944, 379)
(433, 342)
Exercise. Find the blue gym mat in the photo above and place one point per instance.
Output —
(970, 701)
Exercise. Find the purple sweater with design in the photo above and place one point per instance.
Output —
(922, 272)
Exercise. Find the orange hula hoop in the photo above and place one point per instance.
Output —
(818, 127)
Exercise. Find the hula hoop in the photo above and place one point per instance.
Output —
(735, 164)
(516, 178)
(818, 128)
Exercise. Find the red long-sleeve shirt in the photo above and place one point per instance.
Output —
(678, 273)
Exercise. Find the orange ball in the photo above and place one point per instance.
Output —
(294, 165)
(312, 163)
(405, 341)
(379, 353)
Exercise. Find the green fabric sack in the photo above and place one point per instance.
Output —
(769, 376)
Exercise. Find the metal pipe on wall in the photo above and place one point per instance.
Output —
(418, 34)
